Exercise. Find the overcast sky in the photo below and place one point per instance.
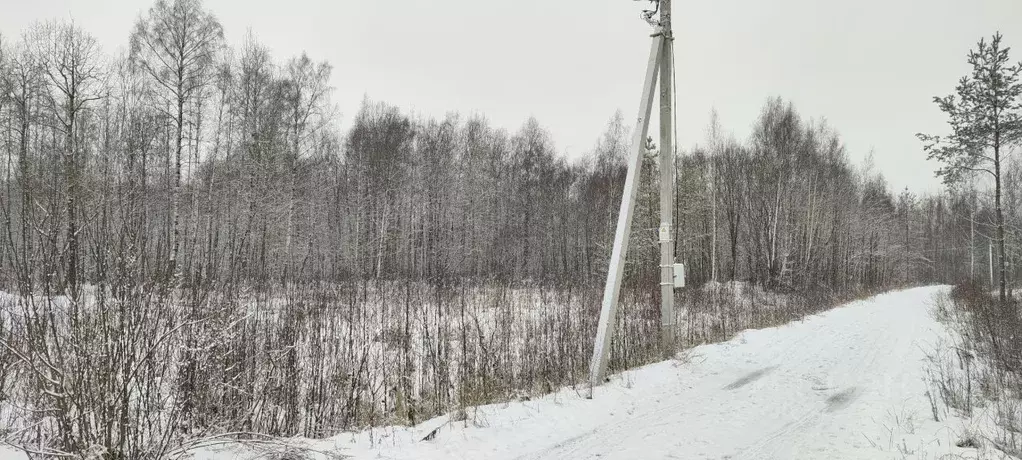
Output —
(871, 67)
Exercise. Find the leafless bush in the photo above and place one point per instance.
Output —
(983, 370)
(95, 374)
(992, 326)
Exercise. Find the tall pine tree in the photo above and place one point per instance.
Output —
(985, 119)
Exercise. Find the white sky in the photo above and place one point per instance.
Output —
(871, 67)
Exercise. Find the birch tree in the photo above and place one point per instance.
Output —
(175, 44)
(306, 88)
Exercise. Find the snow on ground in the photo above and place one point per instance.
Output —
(849, 383)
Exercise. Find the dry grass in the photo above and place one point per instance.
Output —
(980, 376)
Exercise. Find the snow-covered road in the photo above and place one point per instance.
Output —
(848, 383)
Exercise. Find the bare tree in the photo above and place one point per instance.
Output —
(176, 45)
(71, 61)
(306, 89)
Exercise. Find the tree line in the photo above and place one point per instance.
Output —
(228, 167)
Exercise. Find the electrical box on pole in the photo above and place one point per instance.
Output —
(679, 276)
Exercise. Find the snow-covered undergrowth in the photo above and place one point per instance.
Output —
(316, 360)
(850, 383)
(974, 372)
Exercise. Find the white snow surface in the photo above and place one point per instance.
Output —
(849, 383)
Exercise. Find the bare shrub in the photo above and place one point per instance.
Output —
(96, 375)
(984, 369)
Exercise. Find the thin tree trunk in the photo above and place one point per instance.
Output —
(176, 192)
(1002, 288)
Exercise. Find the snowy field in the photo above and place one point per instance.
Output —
(849, 383)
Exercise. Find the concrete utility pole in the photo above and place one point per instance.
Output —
(666, 182)
(671, 276)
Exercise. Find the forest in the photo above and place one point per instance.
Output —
(191, 246)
